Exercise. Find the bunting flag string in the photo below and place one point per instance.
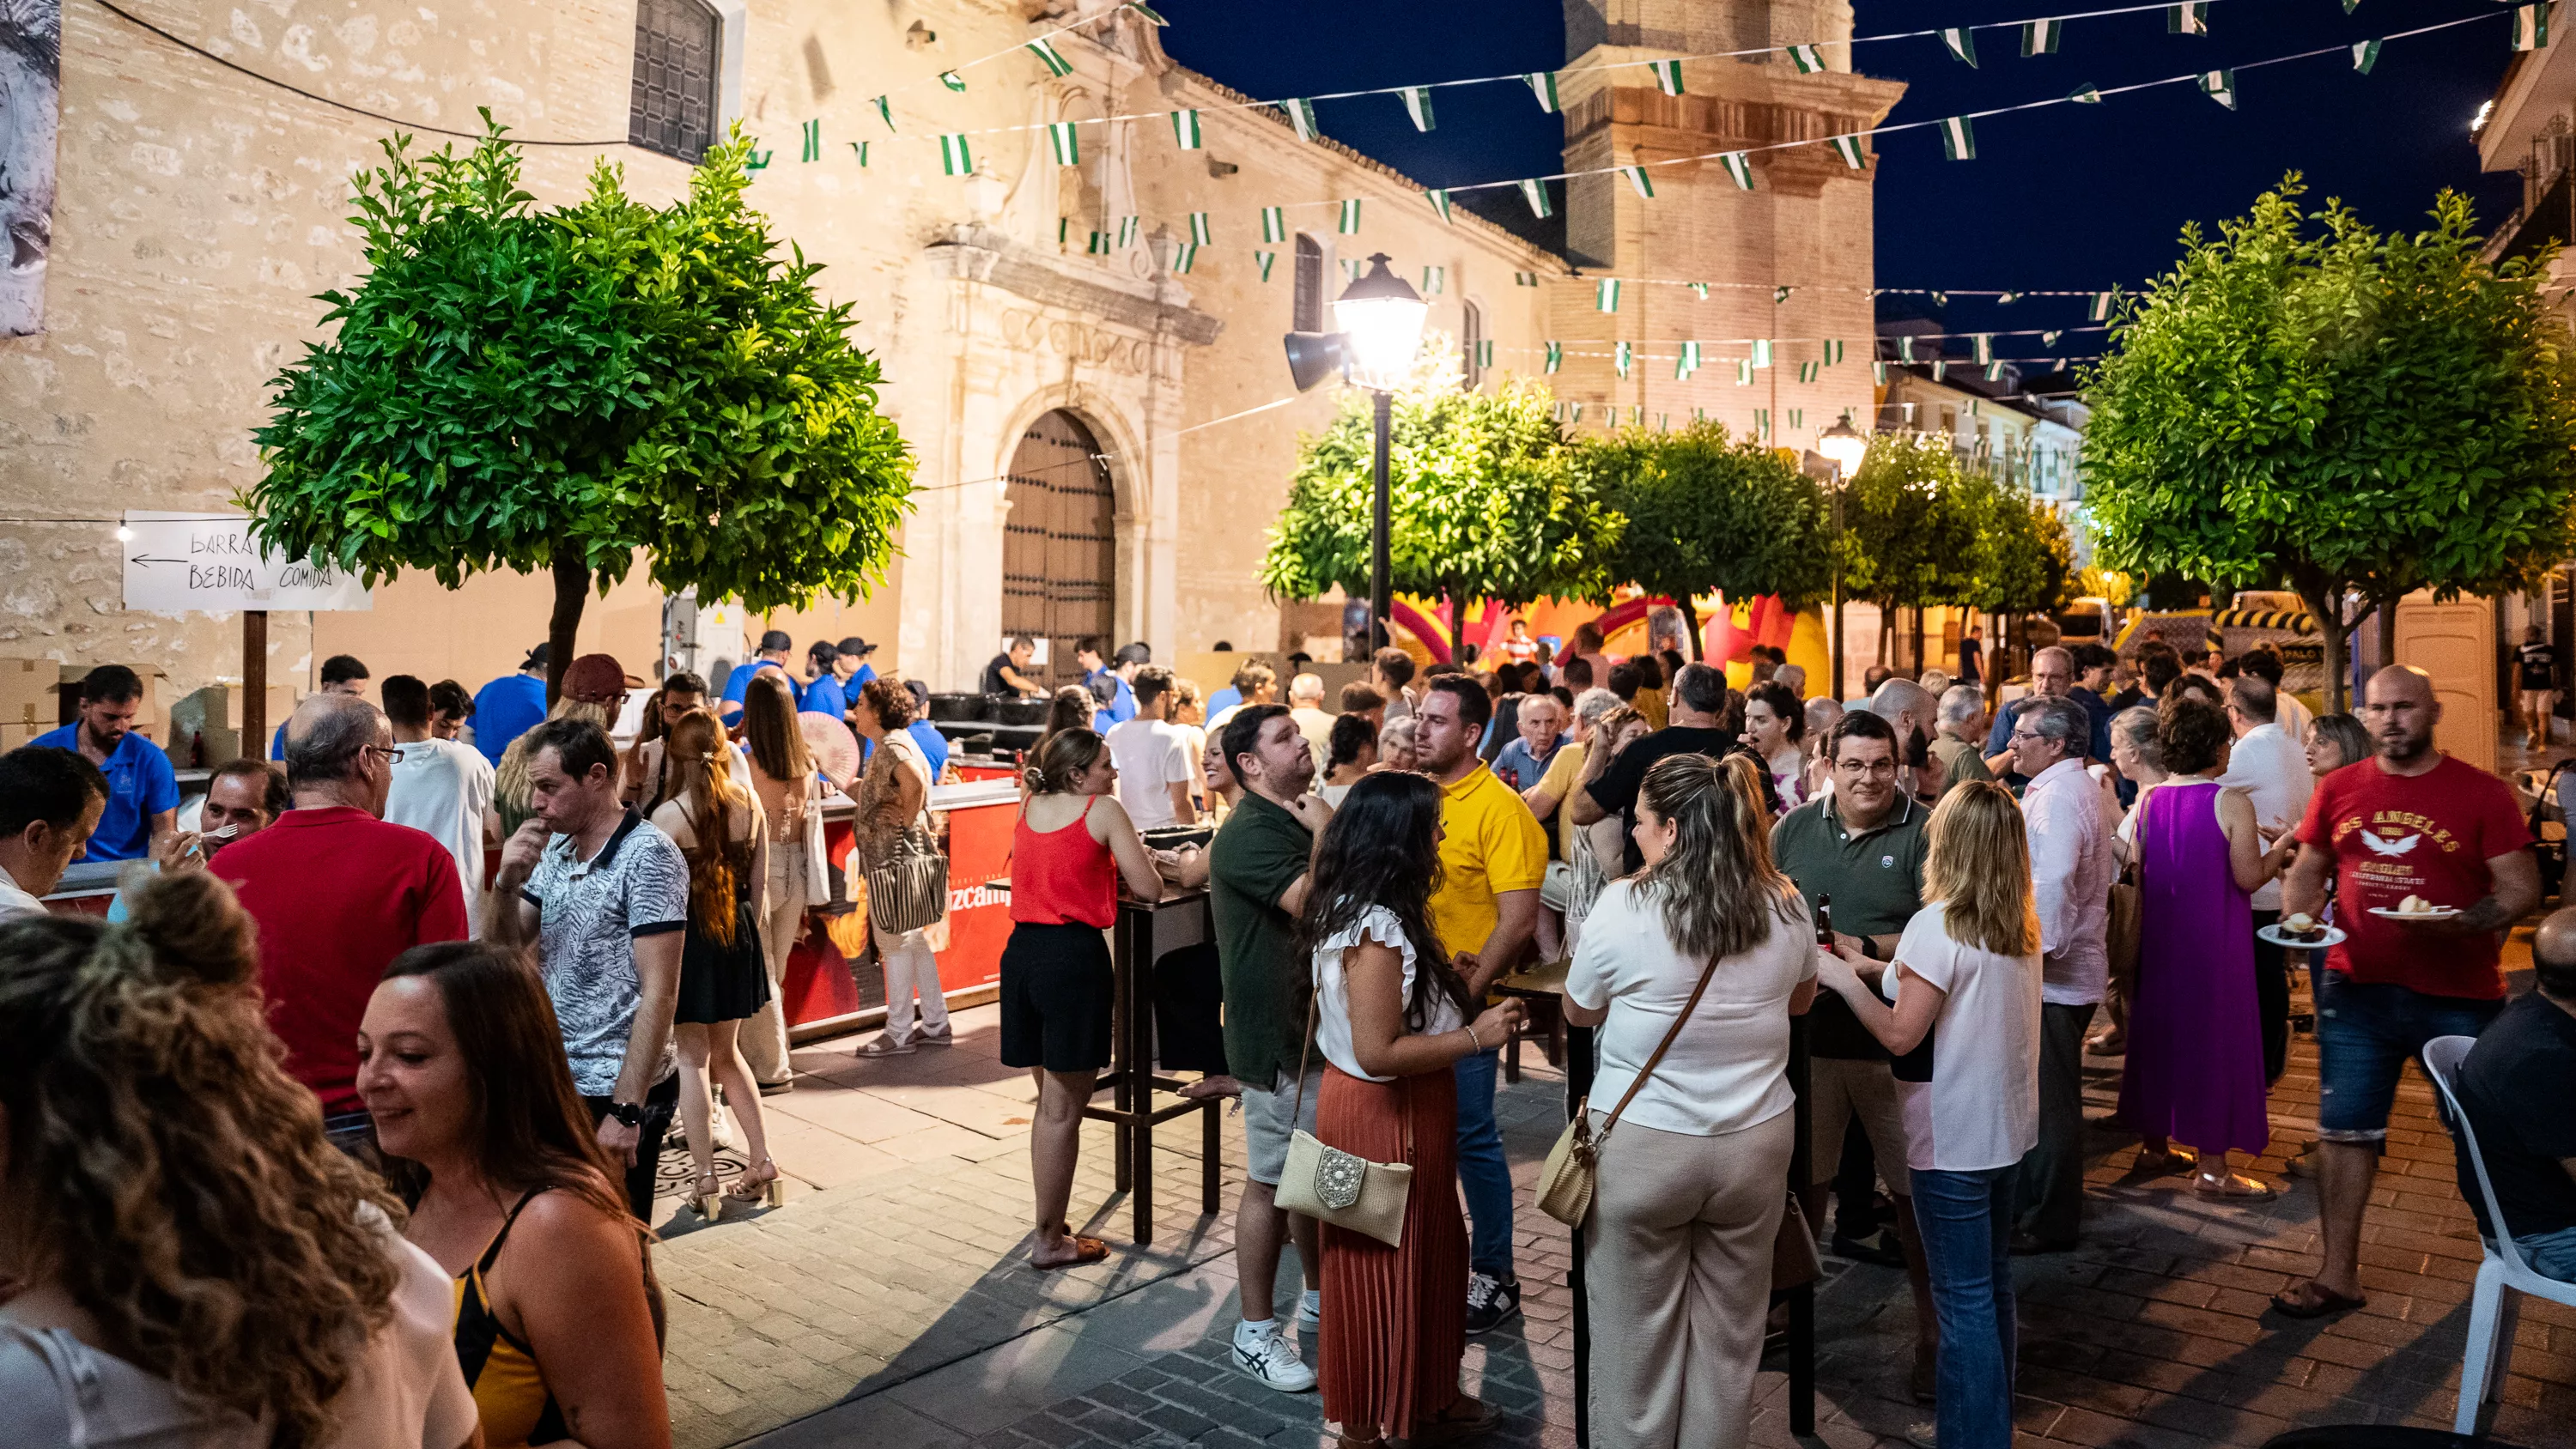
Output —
(1605, 296)
(2365, 54)
(1524, 279)
(1198, 228)
(2039, 37)
(2531, 26)
(1435, 280)
(1638, 178)
(813, 144)
(862, 148)
(1962, 40)
(1542, 84)
(1417, 105)
(955, 157)
(1739, 167)
(1439, 201)
(1848, 148)
(1183, 256)
(1185, 130)
(1535, 193)
(1621, 357)
(1301, 116)
(952, 80)
(2188, 18)
(1274, 224)
(1807, 58)
(1959, 138)
(1668, 75)
(1350, 219)
(1066, 144)
(1265, 260)
(1047, 56)
(2219, 86)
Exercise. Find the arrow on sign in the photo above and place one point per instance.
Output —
(138, 558)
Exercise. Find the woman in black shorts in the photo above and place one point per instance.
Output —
(1070, 848)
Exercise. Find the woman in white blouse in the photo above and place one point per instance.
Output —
(1693, 1174)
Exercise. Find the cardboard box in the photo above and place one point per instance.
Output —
(13, 734)
(27, 691)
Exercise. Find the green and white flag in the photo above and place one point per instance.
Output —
(954, 158)
(1940, 299)
(2039, 37)
(1762, 423)
(1439, 200)
(1663, 422)
(1797, 418)
(1807, 58)
(2101, 309)
(1905, 349)
(1605, 295)
(1067, 146)
(1301, 114)
(1484, 352)
(1739, 166)
(1350, 269)
(2049, 339)
(1620, 356)
(1349, 224)
(1782, 294)
(1185, 130)
(952, 80)
(2530, 26)
(1063, 230)
(1688, 362)
(1574, 412)
(1198, 228)
(1995, 372)
(1761, 352)
(1878, 373)
(1638, 178)
(1848, 148)
(1808, 371)
(2219, 86)
(1265, 260)
(1524, 279)
(757, 160)
(1417, 105)
(812, 133)
(1982, 346)
(2006, 299)
(1699, 415)
(1743, 372)
(1668, 76)
(1958, 138)
(1940, 370)
(1542, 84)
(2350, 6)
(2365, 54)
(862, 148)
(1833, 351)
(2189, 18)
(1435, 280)
(1274, 224)
(1152, 16)
(2086, 94)
(1700, 290)
(1962, 42)
(1535, 193)
(1047, 55)
(1128, 226)
(1555, 356)
(1183, 256)
(885, 110)
(1099, 246)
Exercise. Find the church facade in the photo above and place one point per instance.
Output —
(1081, 341)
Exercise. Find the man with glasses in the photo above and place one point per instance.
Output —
(2052, 676)
(338, 893)
(2071, 867)
(2410, 823)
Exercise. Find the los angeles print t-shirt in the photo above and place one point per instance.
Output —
(2428, 835)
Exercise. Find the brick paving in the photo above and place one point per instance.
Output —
(889, 1304)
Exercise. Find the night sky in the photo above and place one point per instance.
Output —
(2065, 197)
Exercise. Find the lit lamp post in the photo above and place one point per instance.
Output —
(1844, 447)
(1380, 319)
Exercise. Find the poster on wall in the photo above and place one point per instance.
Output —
(31, 48)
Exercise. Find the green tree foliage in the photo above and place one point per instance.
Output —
(1911, 521)
(510, 388)
(1709, 512)
(2354, 412)
(1482, 502)
(2025, 560)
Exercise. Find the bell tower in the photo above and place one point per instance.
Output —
(1787, 261)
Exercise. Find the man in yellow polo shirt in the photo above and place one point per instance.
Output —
(1493, 855)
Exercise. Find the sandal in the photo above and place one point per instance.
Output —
(707, 1197)
(1085, 1250)
(760, 1184)
(2234, 1187)
(2313, 1300)
(2166, 1163)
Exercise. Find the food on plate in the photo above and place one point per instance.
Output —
(2302, 927)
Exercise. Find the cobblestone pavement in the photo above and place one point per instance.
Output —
(889, 1304)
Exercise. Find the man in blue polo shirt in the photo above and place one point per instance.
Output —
(775, 649)
(829, 693)
(924, 733)
(341, 674)
(510, 706)
(142, 790)
(857, 650)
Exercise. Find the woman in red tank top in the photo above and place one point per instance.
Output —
(1072, 846)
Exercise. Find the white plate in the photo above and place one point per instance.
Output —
(2272, 933)
(2443, 913)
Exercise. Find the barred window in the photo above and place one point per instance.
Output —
(1309, 312)
(1471, 344)
(673, 109)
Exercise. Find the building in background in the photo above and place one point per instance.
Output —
(2530, 127)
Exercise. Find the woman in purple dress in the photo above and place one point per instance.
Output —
(2194, 1072)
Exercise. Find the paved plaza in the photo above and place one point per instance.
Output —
(889, 1303)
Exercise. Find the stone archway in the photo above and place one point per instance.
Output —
(1059, 546)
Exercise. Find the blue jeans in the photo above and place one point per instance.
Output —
(2365, 1033)
(2551, 1255)
(1966, 1222)
(1483, 1175)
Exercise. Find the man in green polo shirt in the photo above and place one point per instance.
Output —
(1863, 844)
(1256, 886)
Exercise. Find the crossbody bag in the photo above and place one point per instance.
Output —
(1565, 1183)
(1342, 1188)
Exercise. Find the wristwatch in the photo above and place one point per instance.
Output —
(628, 1114)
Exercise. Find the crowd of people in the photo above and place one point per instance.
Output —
(433, 1193)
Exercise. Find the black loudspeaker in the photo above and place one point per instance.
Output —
(1313, 357)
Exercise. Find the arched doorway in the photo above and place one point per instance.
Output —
(1059, 548)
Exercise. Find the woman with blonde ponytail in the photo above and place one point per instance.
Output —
(721, 833)
(192, 1263)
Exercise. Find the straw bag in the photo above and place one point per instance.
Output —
(1337, 1187)
(1565, 1182)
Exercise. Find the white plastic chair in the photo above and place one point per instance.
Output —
(2493, 1309)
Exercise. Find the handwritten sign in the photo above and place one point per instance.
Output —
(195, 563)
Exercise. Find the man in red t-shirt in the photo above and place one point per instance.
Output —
(337, 894)
(2410, 821)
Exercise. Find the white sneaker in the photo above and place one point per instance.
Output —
(1271, 1357)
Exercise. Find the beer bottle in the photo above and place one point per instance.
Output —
(1825, 921)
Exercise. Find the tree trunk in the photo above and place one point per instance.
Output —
(1690, 616)
(2387, 604)
(1458, 626)
(1915, 641)
(572, 592)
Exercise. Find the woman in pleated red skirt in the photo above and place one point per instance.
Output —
(1391, 1017)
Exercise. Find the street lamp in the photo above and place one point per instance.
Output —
(1844, 447)
(1380, 318)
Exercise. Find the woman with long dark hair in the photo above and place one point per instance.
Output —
(892, 796)
(722, 834)
(189, 1260)
(555, 1314)
(1071, 847)
(782, 770)
(1392, 1018)
(1692, 1172)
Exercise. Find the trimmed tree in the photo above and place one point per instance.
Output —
(2352, 412)
(2025, 559)
(510, 388)
(1910, 529)
(1709, 512)
(1482, 504)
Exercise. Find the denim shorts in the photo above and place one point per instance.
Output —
(2551, 1255)
(2365, 1033)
